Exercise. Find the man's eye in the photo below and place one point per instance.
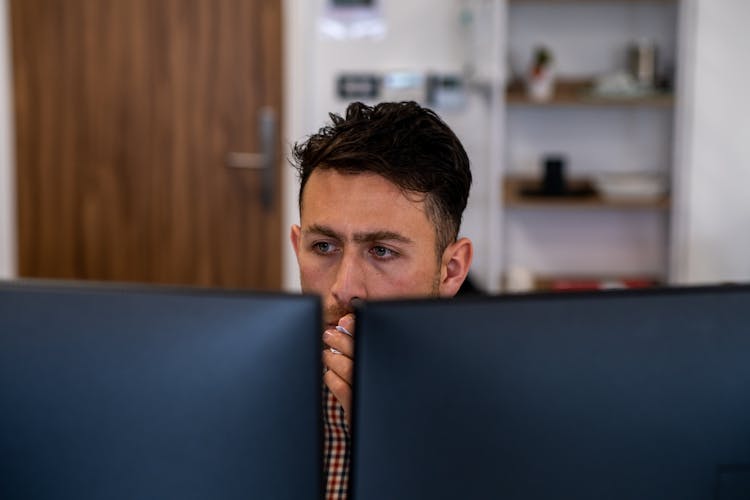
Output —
(383, 252)
(323, 247)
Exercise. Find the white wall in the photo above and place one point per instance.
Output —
(712, 223)
(7, 171)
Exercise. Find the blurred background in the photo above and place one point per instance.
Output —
(147, 141)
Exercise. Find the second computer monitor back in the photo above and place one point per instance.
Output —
(620, 395)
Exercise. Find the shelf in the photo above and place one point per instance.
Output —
(513, 198)
(584, 283)
(578, 93)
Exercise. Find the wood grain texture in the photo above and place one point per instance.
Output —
(125, 112)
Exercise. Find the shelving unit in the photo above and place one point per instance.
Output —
(587, 241)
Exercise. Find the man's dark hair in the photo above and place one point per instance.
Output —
(406, 144)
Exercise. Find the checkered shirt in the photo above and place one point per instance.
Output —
(336, 446)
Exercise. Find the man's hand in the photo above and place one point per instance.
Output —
(339, 363)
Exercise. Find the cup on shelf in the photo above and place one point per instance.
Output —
(642, 63)
(553, 179)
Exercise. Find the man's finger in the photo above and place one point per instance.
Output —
(340, 342)
(341, 365)
(347, 323)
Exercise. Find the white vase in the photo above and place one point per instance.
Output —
(541, 86)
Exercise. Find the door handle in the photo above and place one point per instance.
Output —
(265, 161)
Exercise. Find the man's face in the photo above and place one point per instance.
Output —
(361, 237)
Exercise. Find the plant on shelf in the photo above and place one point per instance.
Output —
(540, 82)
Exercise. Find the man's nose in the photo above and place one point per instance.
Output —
(350, 280)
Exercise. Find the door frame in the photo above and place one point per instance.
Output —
(299, 18)
(8, 229)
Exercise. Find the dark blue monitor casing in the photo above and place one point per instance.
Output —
(124, 393)
(616, 395)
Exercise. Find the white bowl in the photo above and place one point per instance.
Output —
(631, 185)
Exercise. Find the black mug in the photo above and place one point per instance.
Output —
(553, 182)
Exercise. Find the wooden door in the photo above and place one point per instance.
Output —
(126, 112)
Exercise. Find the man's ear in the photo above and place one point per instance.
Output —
(294, 237)
(455, 266)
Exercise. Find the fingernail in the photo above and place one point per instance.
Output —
(343, 330)
(335, 351)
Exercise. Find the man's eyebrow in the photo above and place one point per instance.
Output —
(366, 237)
(324, 231)
(380, 236)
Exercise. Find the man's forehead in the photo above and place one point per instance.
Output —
(363, 207)
(327, 184)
